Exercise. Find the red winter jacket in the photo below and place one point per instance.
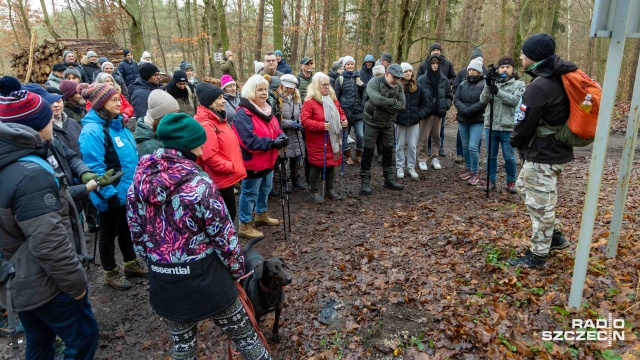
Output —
(221, 158)
(312, 118)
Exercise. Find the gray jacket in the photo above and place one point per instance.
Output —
(290, 114)
(383, 104)
(504, 106)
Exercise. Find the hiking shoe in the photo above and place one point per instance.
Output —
(134, 268)
(400, 173)
(316, 198)
(298, 184)
(365, 188)
(248, 230)
(423, 166)
(529, 259)
(331, 194)
(492, 186)
(558, 241)
(392, 184)
(511, 188)
(459, 159)
(466, 175)
(413, 173)
(114, 279)
(436, 164)
(473, 180)
(264, 219)
(350, 140)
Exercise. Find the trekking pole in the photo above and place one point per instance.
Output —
(491, 99)
(342, 163)
(324, 163)
(287, 187)
(284, 219)
(95, 242)
(302, 146)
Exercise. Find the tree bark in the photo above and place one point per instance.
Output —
(514, 42)
(224, 33)
(24, 19)
(176, 16)
(239, 51)
(13, 27)
(277, 25)
(296, 32)
(132, 8)
(47, 21)
(442, 20)
(323, 34)
(259, 29)
(155, 25)
(214, 34)
(75, 20)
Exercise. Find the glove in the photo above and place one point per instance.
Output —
(296, 125)
(113, 203)
(108, 178)
(286, 139)
(487, 80)
(359, 82)
(493, 89)
(278, 143)
(88, 176)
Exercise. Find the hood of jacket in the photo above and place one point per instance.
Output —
(17, 141)
(143, 132)
(553, 67)
(165, 172)
(54, 79)
(333, 74)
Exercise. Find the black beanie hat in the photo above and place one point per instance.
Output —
(207, 93)
(179, 130)
(435, 46)
(147, 71)
(539, 47)
(506, 60)
(126, 51)
(180, 76)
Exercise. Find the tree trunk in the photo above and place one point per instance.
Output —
(47, 21)
(132, 8)
(24, 19)
(513, 45)
(84, 18)
(75, 20)
(239, 51)
(155, 25)
(296, 33)
(13, 27)
(224, 33)
(214, 34)
(176, 16)
(441, 23)
(323, 35)
(277, 25)
(259, 29)
(635, 56)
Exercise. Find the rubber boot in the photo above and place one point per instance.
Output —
(365, 187)
(331, 177)
(294, 165)
(314, 181)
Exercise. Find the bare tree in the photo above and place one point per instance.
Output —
(155, 25)
(259, 29)
(47, 22)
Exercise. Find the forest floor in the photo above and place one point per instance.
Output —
(420, 274)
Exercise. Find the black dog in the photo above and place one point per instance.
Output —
(264, 286)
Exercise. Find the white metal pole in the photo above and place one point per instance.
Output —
(625, 169)
(599, 153)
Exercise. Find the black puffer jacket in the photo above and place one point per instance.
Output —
(446, 68)
(129, 71)
(416, 108)
(69, 133)
(438, 102)
(139, 92)
(34, 210)
(467, 101)
(349, 94)
(366, 74)
(544, 100)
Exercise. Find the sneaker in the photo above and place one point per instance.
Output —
(114, 279)
(473, 179)
(248, 230)
(400, 173)
(529, 259)
(264, 219)
(413, 173)
(317, 198)
(466, 175)
(558, 241)
(350, 140)
(459, 159)
(331, 194)
(511, 188)
(423, 166)
(4, 325)
(441, 153)
(134, 268)
(436, 164)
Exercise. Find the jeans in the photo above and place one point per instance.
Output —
(458, 144)
(72, 320)
(408, 134)
(358, 129)
(501, 138)
(470, 135)
(254, 194)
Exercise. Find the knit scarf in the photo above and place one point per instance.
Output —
(332, 116)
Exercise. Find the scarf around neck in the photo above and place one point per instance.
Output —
(332, 116)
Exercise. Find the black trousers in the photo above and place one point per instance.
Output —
(113, 223)
(229, 200)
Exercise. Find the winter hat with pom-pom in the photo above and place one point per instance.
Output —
(98, 94)
(21, 106)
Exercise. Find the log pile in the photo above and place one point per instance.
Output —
(50, 52)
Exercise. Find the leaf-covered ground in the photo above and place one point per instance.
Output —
(420, 274)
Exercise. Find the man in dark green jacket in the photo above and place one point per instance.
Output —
(385, 100)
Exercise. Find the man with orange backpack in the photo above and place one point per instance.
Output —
(544, 104)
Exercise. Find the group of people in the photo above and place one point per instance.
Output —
(167, 194)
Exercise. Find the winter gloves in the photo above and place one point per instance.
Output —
(107, 179)
(281, 141)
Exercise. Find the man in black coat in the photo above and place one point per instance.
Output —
(128, 68)
(544, 157)
(139, 91)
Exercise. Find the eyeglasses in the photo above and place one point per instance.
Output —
(116, 100)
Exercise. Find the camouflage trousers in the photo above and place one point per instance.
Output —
(537, 184)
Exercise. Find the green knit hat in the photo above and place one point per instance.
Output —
(180, 130)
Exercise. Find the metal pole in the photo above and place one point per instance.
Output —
(625, 169)
(491, 100)
(599, 152)
(324, 164)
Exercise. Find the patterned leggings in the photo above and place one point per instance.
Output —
(233, 321)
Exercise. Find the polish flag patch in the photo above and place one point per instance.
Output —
(523, 107)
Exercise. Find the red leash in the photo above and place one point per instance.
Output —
(246, 303)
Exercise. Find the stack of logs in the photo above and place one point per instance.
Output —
(50, 53)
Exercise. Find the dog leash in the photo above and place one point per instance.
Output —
(246, 303)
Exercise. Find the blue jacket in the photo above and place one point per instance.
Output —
(283, 67)
(139, 93)
(129, 71)
(92, 146)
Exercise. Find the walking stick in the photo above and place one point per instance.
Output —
(287, 187)
(489, 141)
(324, 163)
(95, 242)
(302, 145)
(342, 163)
(284, 219)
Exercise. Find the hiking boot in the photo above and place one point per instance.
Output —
(492, 186)
(529, 260)
(331, 194)
(413, 173)
(264, 219)
(436, 164)
(358, 155)
(4, 325)
(134, 268)
(511, 188)
(347, 156)
(392, 184)
(365, 188)
(317, 198)
(423, 166)
(298, 184)
(558, 241)
(248, 230)
(473, 180)
(400, 173)
(466, 175)
(459, 159)
(114, 279)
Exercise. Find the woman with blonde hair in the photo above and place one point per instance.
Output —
(323, 121)
(126, 110)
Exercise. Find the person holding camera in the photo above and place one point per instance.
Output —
(260, 139)
(507, 89)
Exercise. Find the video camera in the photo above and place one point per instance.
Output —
(492, 74)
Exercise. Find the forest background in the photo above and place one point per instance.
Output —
(192, 30)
